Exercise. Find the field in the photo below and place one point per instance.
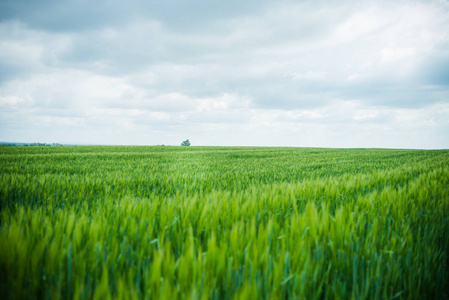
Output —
(223, 223)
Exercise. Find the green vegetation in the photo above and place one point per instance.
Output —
(223, 223)
(185, 143)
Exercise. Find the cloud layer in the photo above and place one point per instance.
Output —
(372, 74)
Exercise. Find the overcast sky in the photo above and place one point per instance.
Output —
(249, 73)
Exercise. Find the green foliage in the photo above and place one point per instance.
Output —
(223, 223)
(185, 143)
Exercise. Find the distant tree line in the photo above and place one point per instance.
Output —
(30, 144)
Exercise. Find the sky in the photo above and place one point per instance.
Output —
(226, 73)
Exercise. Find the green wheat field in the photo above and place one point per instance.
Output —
(223, 223)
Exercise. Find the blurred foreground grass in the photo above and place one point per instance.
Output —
(223, 223)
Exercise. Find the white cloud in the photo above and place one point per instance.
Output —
(389, 55)
(299, 74)
(310, 75)
(10, 101)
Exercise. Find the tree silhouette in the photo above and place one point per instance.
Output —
(185, 143)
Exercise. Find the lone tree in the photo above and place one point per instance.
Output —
(185, 143)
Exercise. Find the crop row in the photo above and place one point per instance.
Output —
(223, 223)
